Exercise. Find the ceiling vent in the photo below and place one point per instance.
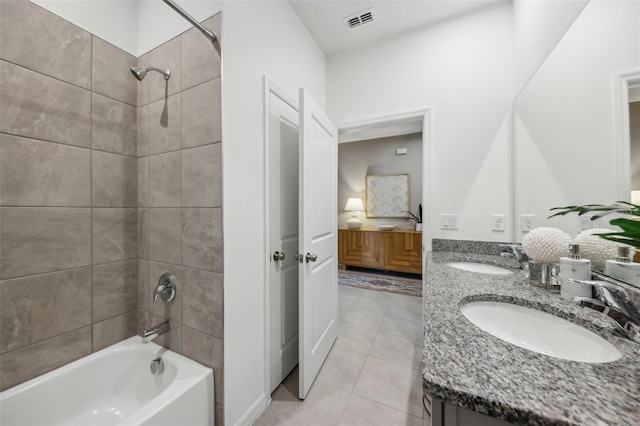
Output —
(359, 19)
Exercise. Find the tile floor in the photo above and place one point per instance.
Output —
(372, 375)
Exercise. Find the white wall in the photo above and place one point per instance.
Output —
(538, 26)
(113, 21)
(565, 127)
(260, 37)
(463, 69)
(158, 23)
(136, 26)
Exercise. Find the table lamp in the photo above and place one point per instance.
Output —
(354, 205)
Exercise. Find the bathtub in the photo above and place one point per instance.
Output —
(115, 387)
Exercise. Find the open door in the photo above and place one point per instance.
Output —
(318, 257)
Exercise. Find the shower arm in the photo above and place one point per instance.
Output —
(208, 33)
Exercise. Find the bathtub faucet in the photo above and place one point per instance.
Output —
(153, 332)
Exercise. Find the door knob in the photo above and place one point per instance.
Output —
(278, 256)
(311, 257)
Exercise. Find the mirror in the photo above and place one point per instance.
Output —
(387, 196)
(571, 146)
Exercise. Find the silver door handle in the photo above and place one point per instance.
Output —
(278, 256)
(311, 257)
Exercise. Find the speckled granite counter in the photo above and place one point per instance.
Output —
(467, 367)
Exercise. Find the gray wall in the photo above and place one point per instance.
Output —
(180, 197)
(634, 124)
(105, 183)
(377, 157)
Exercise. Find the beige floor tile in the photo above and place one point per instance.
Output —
(391, 384)
(409, 327)
(363, 317)
(354, 337)
(397, 349)
(365, 412)
(342, 368)
(323, 406)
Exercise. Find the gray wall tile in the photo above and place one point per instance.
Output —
(200, 59)
(31, 361)
(170, 310)
(114, 126)
(111, 72)
(37, 106)
(165, 180)
(115, 287)
(202, 176)
(114, 180)
(39, 40)
(166, 56)
(206, 350)
(202, 239)
(164, 125)
(201, 115)
(142, 128)
(36, 240)
(143, 233)
(143, 182)
(165, 235)
(36, 173)
(143, 285)
(114, 330)
(42, 306)
(114, 235)
(202, 301)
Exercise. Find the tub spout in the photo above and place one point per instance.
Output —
(153, 332)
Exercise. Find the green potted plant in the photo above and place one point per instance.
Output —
(630, 227)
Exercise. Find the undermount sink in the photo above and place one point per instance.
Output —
(480, 268)
(540, 332)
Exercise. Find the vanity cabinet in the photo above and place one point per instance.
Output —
(399, 251)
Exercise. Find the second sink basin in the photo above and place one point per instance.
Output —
(540, 332)
(480, 268)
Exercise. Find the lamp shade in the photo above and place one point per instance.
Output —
(354, 205)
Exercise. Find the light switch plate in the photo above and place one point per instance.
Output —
(448, 221)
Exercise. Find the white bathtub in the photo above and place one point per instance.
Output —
(115, 387)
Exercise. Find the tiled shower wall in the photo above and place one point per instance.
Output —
(180, 196)
(105, 182)
(68, 249)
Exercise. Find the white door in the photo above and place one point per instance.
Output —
(283, 189)
(318, 239)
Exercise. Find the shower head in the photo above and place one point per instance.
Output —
(141, 72)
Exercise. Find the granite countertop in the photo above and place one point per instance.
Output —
(470, 368)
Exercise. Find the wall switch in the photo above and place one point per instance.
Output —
(448, 221)
(585, 222)
(498, 222)
(401, 151)
(527, 222)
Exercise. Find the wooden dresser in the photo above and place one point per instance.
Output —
(389, 250)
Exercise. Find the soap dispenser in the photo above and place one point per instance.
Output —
(576, 268)
(623, 268)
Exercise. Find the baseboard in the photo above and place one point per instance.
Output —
(252, 414)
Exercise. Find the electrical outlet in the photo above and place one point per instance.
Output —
(527, 221)
(498, 222)
(448, 221)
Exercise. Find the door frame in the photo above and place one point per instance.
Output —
(269, 88)
(424, 114)
(623, 138)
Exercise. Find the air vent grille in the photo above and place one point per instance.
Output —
(359, 19)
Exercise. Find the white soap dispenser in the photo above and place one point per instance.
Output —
(576, 268)
(623, 268)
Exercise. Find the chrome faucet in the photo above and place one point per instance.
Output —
(514, 251)
(612, 301)
(153, 332)
(166, 288)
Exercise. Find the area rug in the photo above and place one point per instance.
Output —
(397, 285)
